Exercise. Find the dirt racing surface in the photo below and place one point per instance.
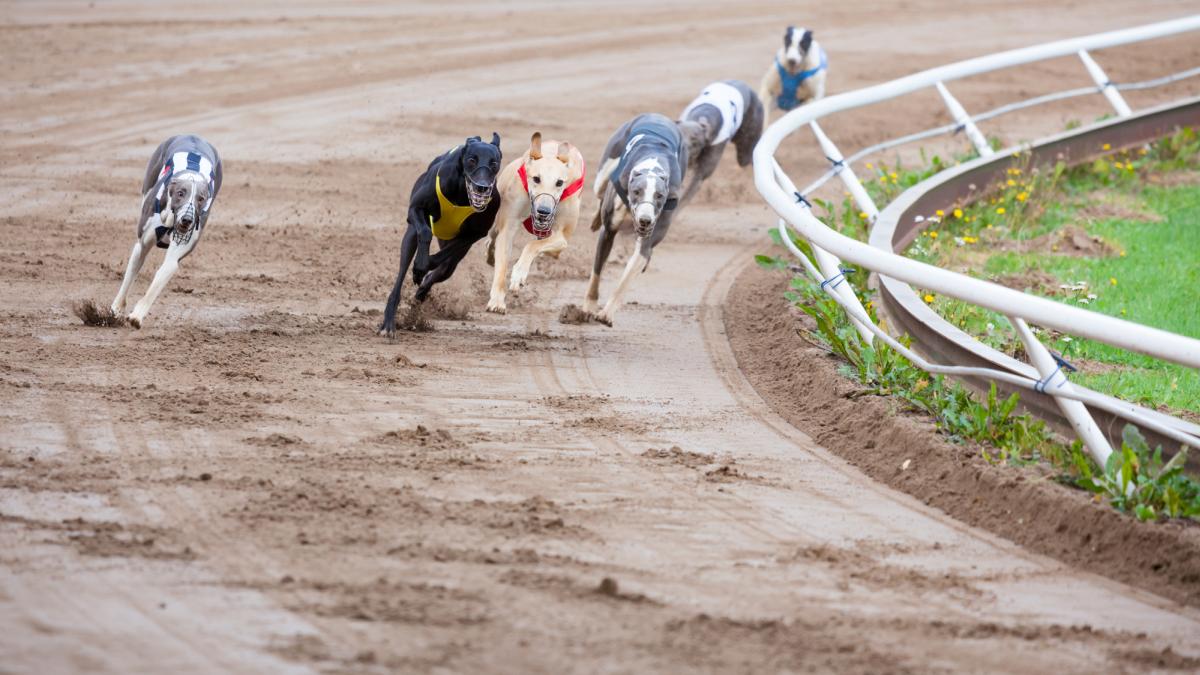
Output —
(257, 482)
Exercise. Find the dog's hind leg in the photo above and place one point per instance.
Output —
(169, 266)
(604, 244)
(137, 258)
(408, 250)
(637, 263)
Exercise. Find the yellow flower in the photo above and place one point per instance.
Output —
(1112, 281)
(933, 234)
(1122, 254)
(928, 299)
(970, 240)
(1142, 151)
(1016, 172)
(1122, 311)
(1011, 183)
(1106, 146)
(989, 226)
(862, 214)
(870, 166)
(939, 213)
(958, 213)
(1021, 196)
(1119, 165)
(1000, 210)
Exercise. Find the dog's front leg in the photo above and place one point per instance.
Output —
(169, 266)
(503, 248)
(637, 263)
(137, 258)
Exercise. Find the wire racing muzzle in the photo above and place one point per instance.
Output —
(480, 186)
(542, 209)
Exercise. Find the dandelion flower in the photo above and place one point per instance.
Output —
(1022, 196)
(1119, 165)
(1112, 281)
(862, 214)
(928, 299)
(1011, 182)
(940, 213)
(1122, 254)
(870, 166)
(958, 213)
(933, 234)
(1000, 210)
(1106, 146)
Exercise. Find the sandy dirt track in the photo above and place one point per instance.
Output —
(255, 482)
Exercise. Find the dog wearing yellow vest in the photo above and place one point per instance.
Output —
(541, 187)
(455, 201)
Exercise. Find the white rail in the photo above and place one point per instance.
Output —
(829, 246)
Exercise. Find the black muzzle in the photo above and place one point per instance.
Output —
(480, 186)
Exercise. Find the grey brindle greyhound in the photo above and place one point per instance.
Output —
(723, 112)
(638, 184)
(182, 181)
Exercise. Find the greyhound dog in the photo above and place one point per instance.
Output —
(638, 185)
(453, 200)
(181, 184)
(724, 111)
(797, 76)
(543, 185)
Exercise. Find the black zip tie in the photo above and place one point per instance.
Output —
(801, 199)
(838, 278)
(1062, 363)
(838, 164)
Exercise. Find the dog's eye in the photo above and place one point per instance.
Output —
(537, 179)
(558, 183)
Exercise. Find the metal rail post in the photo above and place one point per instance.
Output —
(1106, 86)
(964, 122)
(846, 173)
(1053, 379)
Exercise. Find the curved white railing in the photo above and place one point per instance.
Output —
(829, 246)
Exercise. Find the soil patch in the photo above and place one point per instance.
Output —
(1019, 504)
(1070, 240)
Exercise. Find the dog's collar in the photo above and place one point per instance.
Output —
(570, 190)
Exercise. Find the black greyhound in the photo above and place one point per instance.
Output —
(455, 200)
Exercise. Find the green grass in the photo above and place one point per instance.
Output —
(1155, 282)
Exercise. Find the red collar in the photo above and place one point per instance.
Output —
(569, 191)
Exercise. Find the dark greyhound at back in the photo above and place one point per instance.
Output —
(638, 184)
(454, 200)
(723, 112)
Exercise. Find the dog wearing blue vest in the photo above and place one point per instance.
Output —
(797, 75)
(181, 184)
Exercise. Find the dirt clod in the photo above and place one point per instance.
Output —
(92, 314)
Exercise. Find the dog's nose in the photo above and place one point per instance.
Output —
(544, 210)
(185, 219)
(645, 221)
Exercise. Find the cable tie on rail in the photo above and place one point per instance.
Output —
(801, 199)
(1040, 385)
(838, 278)
(838, 164)
(1062, 363)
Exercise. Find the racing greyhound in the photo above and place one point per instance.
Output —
(455, 201)
(724, 111)
(543, 185)
(797, 76)
(638, 185)
(181, 184)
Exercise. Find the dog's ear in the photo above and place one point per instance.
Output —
(472, 139)
(564, 152)
(787, 36)
(496, 139)
(535, 145)
(806, 40)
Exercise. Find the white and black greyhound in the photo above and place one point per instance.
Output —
(723, 112)
(638, 184)
(181, 184)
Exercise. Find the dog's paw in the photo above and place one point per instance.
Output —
(604, 318)
(135, 321)
(117, 309)
(497, 306)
